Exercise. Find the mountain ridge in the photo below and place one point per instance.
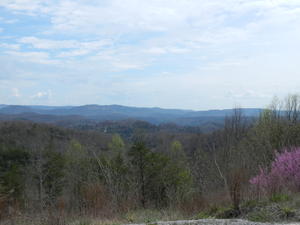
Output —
(154, 115)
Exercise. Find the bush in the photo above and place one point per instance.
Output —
(279, 198)
(284, 173)
(204, 215)
(218, 212)
(287, 212)
(260, 216)
(250, 204)
(228, 213)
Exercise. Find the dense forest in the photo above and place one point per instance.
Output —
(59, 172)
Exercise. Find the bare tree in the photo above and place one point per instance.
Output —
(292, 108)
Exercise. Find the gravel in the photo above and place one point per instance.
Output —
(213, 222)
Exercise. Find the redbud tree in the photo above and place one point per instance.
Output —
(284, 173)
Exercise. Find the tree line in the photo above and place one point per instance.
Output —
(47, 169)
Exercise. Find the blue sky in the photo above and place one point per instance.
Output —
(191, 54)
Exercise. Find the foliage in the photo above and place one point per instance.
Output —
(260, 216)
(227, 213)
(218, 212)
(116, 145)
(288, 212)
(284, 173)
(94, 172)
(151, 216)
(279, 197)
(160, 178)
(204, 215)
(54, 170)
(12, 166)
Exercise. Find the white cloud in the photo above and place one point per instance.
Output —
(165, 50)
(48, 44)
(74, 53)
(190, 24)
(65, 48)
(156, 51)
(62, 44)
(119, 16)
(34, 57)
(42, 95)
(119, 66)
(123, 16)
(8, 21)
(26, 6)
(224, 43)
(247, 94)
(15, 92)
(10, 46)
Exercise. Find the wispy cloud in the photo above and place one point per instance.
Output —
(42, 95)
(150, 52)
(15, 92)
(34, 57)
(10, 46)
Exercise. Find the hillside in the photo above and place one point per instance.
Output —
(70, 166)
(209, 120)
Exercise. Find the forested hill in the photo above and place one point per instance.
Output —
(208, 119)
(107, 169)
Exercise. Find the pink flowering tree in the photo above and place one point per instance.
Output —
(284, 173)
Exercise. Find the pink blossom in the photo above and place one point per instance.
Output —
(284, 173)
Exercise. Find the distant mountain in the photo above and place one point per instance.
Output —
(42, 118)
(117, 112)
(15, 109)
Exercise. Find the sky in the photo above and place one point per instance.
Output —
(187, 54)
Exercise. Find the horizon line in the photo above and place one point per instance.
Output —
(149, 107)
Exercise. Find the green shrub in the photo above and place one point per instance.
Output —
(279, 198)
(218, 212)
(251, 205)
(287, 212)
(85, 222)
(204, 215)
(213, 210)
(227, 213)
(259, 216)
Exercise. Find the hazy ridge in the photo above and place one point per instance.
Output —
(118, 112)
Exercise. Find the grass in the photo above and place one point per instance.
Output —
(150, 215)
(280, 198)
(204, 215)
(288, 212)
(279, 208)
(147, 216)
(216, 212)
(260, 216)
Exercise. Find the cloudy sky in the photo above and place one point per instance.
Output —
(191, 54)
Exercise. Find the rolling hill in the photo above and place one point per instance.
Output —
(100, 113)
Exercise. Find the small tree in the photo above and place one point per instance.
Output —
(54, 171)
(284, 173)
(139, 156)
(12, 178)
(116, 145)
(12, 164)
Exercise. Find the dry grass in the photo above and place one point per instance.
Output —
(138, 216)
